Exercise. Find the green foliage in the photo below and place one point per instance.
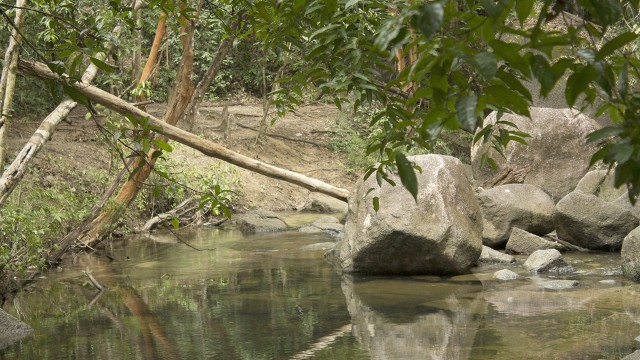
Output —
(44, 209)
(473, 57)
(173, 182)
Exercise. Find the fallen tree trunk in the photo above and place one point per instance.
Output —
(183, 208)
(206, 147)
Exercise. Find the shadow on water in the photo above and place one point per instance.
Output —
(266, 297)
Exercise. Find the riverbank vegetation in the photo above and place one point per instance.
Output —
(411, 73)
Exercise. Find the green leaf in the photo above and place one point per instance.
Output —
(604, 133)
(407, 174)
(523, 9)
(614, 44)
(430, 19)
(486, 64)
(483, 134)
(376, 203)
(509, 52)
(162, 145)
(513, 82)
(466, 111)
(175, 223)
(102, 65)
(607, 11)
(351, 3)
(543, 73)
(578, 82)
(506, 99)
(75, 95)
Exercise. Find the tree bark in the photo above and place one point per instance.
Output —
(206, 147)
(161, 30)
(137, 54)
(8, 80)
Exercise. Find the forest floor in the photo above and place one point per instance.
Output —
(299, 142)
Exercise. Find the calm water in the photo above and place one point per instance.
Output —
(263, 297)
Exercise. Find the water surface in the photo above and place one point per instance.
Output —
(264, 297)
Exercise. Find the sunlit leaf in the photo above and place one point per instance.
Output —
(102, 65)
(407, 174)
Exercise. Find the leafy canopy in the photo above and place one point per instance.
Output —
(470, 57)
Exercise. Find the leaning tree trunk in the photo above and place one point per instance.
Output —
(206, 147)
(161, 30)
(8, 80)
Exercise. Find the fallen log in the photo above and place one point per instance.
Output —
(206, 147)
(183, 208)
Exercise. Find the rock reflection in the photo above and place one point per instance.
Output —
(413, 319)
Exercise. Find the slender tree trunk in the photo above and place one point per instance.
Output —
(203, 85)
(161, 30)
(137, 55)
(8, 80)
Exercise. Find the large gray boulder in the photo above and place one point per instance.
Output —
(438, 234)
(11, 329)
(514, 205)
(523, 242)
(591, 222)
(631, 255)
(600, 183)
(557, 155)
(491, 256)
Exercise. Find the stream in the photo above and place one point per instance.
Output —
(272, 296)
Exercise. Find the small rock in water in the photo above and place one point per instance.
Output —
(559, 284)
(319, 246)
(489, 255)
(609, 282)
(505, 274)
(547, 261)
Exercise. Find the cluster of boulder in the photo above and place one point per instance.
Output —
(558, 204)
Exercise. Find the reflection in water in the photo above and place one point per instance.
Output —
(410, 319)
(264, 297)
